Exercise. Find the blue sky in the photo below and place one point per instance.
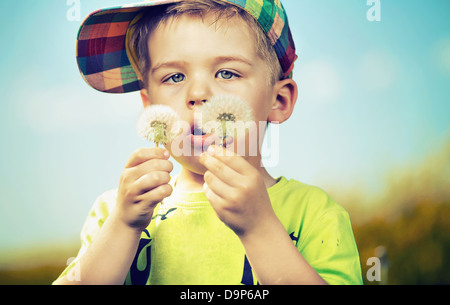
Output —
(374, 96)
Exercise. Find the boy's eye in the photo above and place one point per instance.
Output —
(176, 78)
(226, 74)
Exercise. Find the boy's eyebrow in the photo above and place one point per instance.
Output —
(222, 59)
(169, 64)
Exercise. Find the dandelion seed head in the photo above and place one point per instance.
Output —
(158, 124)
(224, 115)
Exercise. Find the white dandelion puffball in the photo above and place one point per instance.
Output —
(158, 124)
(226, 116)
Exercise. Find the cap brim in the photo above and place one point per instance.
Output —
(101, 50)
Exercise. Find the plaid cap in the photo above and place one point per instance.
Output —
(102, 52)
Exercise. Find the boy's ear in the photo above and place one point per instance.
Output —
(286, 91)
(144, 97)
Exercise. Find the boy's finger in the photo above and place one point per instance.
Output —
(144, 154)
(154, 165)
(150, 181)
(234, 161)
(155, 195)
(136, 172)
(216, 201)
(220, 169)
(217, 185)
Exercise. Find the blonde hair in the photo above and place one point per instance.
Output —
(154, 16)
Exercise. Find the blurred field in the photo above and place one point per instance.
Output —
(410, 221)
(35, 265)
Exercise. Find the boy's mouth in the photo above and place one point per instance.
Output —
(201, 140)
(197, 131)
(198, 137)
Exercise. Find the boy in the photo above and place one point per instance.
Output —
(224, 219)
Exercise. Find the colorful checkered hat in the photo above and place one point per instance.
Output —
(101, 43)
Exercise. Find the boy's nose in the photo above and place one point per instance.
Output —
(194, 103)
(198, 93)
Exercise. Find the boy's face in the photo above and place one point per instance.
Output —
(194, 59)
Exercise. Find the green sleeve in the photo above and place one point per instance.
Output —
(330, 248)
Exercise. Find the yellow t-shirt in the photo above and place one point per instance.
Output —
(186, 243)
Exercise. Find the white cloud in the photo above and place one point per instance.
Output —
(62, 108)
(378, 70)
(319, 81)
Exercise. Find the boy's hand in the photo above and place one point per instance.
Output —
(236, 191)
(143, 184)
